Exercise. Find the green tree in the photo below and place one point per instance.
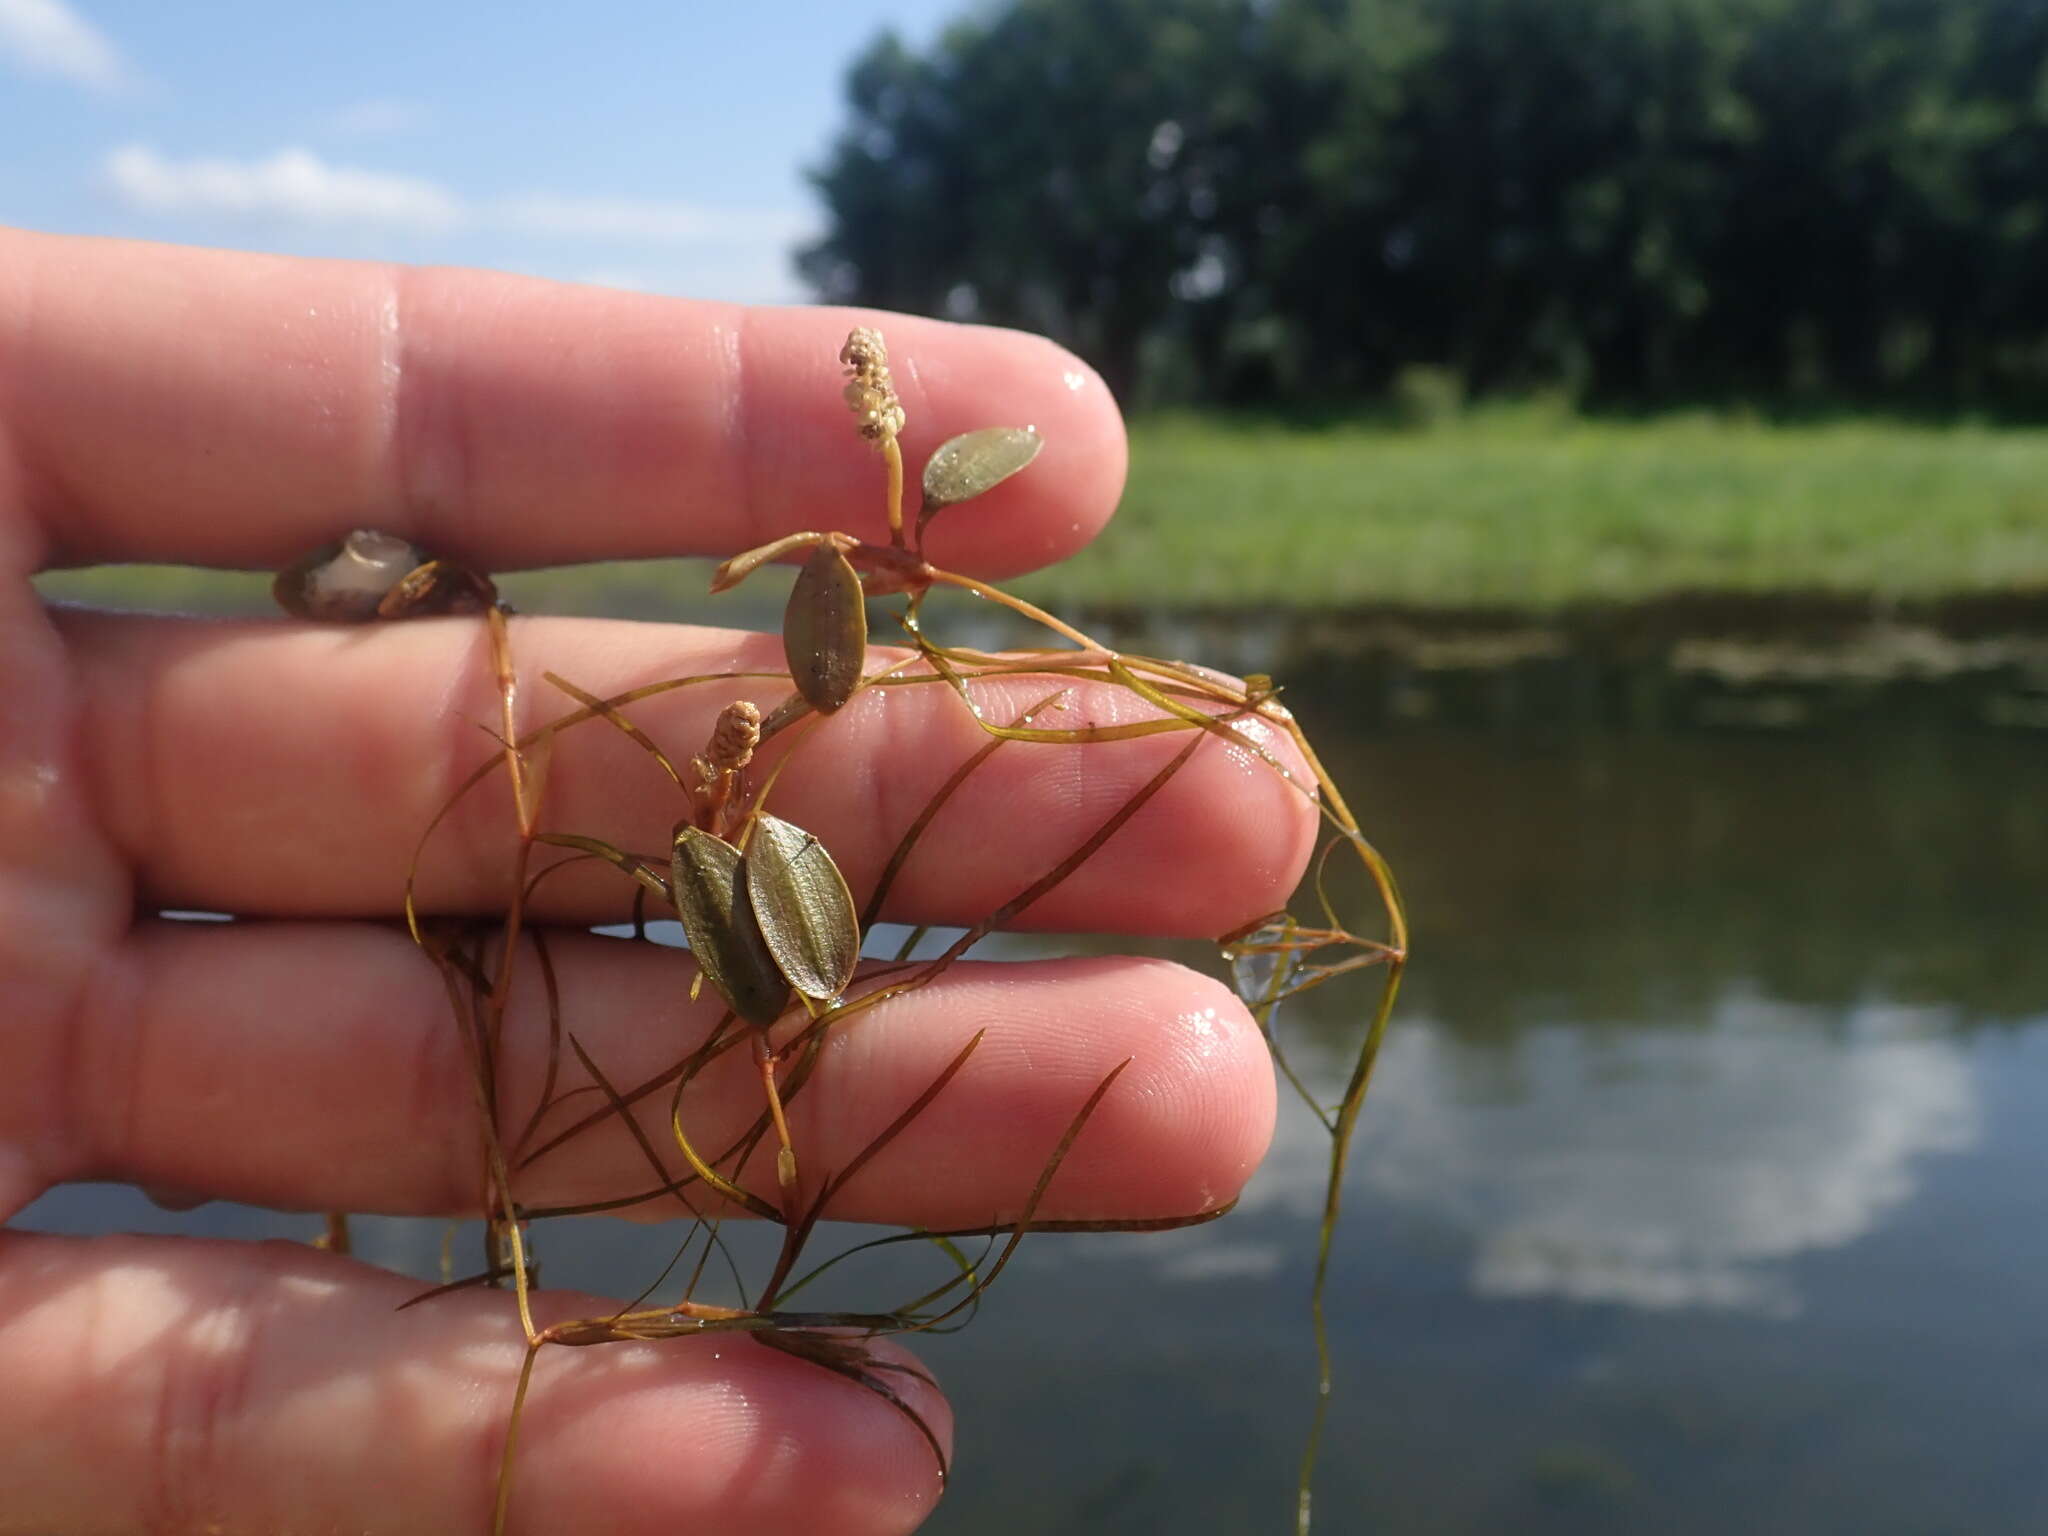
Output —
(1053, 165)
(1639, 198)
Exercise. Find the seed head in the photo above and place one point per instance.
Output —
(870, 394)
(735, 736)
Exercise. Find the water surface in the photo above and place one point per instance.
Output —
(1701, 1189)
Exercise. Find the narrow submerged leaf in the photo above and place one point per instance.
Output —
(965, 466)
(718, 918)
(435, 588)
(825, 630)
(803, 908)
(743, 565)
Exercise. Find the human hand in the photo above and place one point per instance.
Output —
(162, 404)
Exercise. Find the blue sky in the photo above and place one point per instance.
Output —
(646, 145)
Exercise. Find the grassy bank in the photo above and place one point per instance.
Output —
(1512, 508)
(1535, 511)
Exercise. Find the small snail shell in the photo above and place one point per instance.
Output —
(343, 583)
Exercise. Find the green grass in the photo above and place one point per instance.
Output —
(1535, 510)
(1520, 508)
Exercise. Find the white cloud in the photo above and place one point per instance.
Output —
(627, 220)
(48, 37)
(1673, 1169)
(292, 184)
(378, 118)
(297, 185)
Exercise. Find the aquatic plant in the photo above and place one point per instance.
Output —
(773, 927)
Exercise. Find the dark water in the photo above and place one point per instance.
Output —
(1702, 1189)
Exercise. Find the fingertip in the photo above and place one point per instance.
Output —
(1184, 1116)
(728, 1431)
(1058, 505)
(271, 1387)
(1255, 844)
(1197, 1107)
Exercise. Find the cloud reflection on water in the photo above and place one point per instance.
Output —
(1668, 1168)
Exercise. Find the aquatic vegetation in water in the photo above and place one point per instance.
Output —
(774, 929)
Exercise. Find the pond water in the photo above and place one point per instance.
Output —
(1702, 1185)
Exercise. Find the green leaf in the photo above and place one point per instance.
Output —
(803, 907)
(825, 630)
(965, 466)
(718, 918)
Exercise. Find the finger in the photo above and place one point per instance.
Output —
(163, 1384)
(265, 769)
(317, 1066)
(226, 409)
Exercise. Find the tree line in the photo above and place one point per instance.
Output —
(1636, 200)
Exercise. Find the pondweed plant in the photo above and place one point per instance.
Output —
(775, 931)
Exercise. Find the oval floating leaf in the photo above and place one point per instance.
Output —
(825, 630)
(343, 582)
(711, 898)
(803, 907)
(974, 462)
